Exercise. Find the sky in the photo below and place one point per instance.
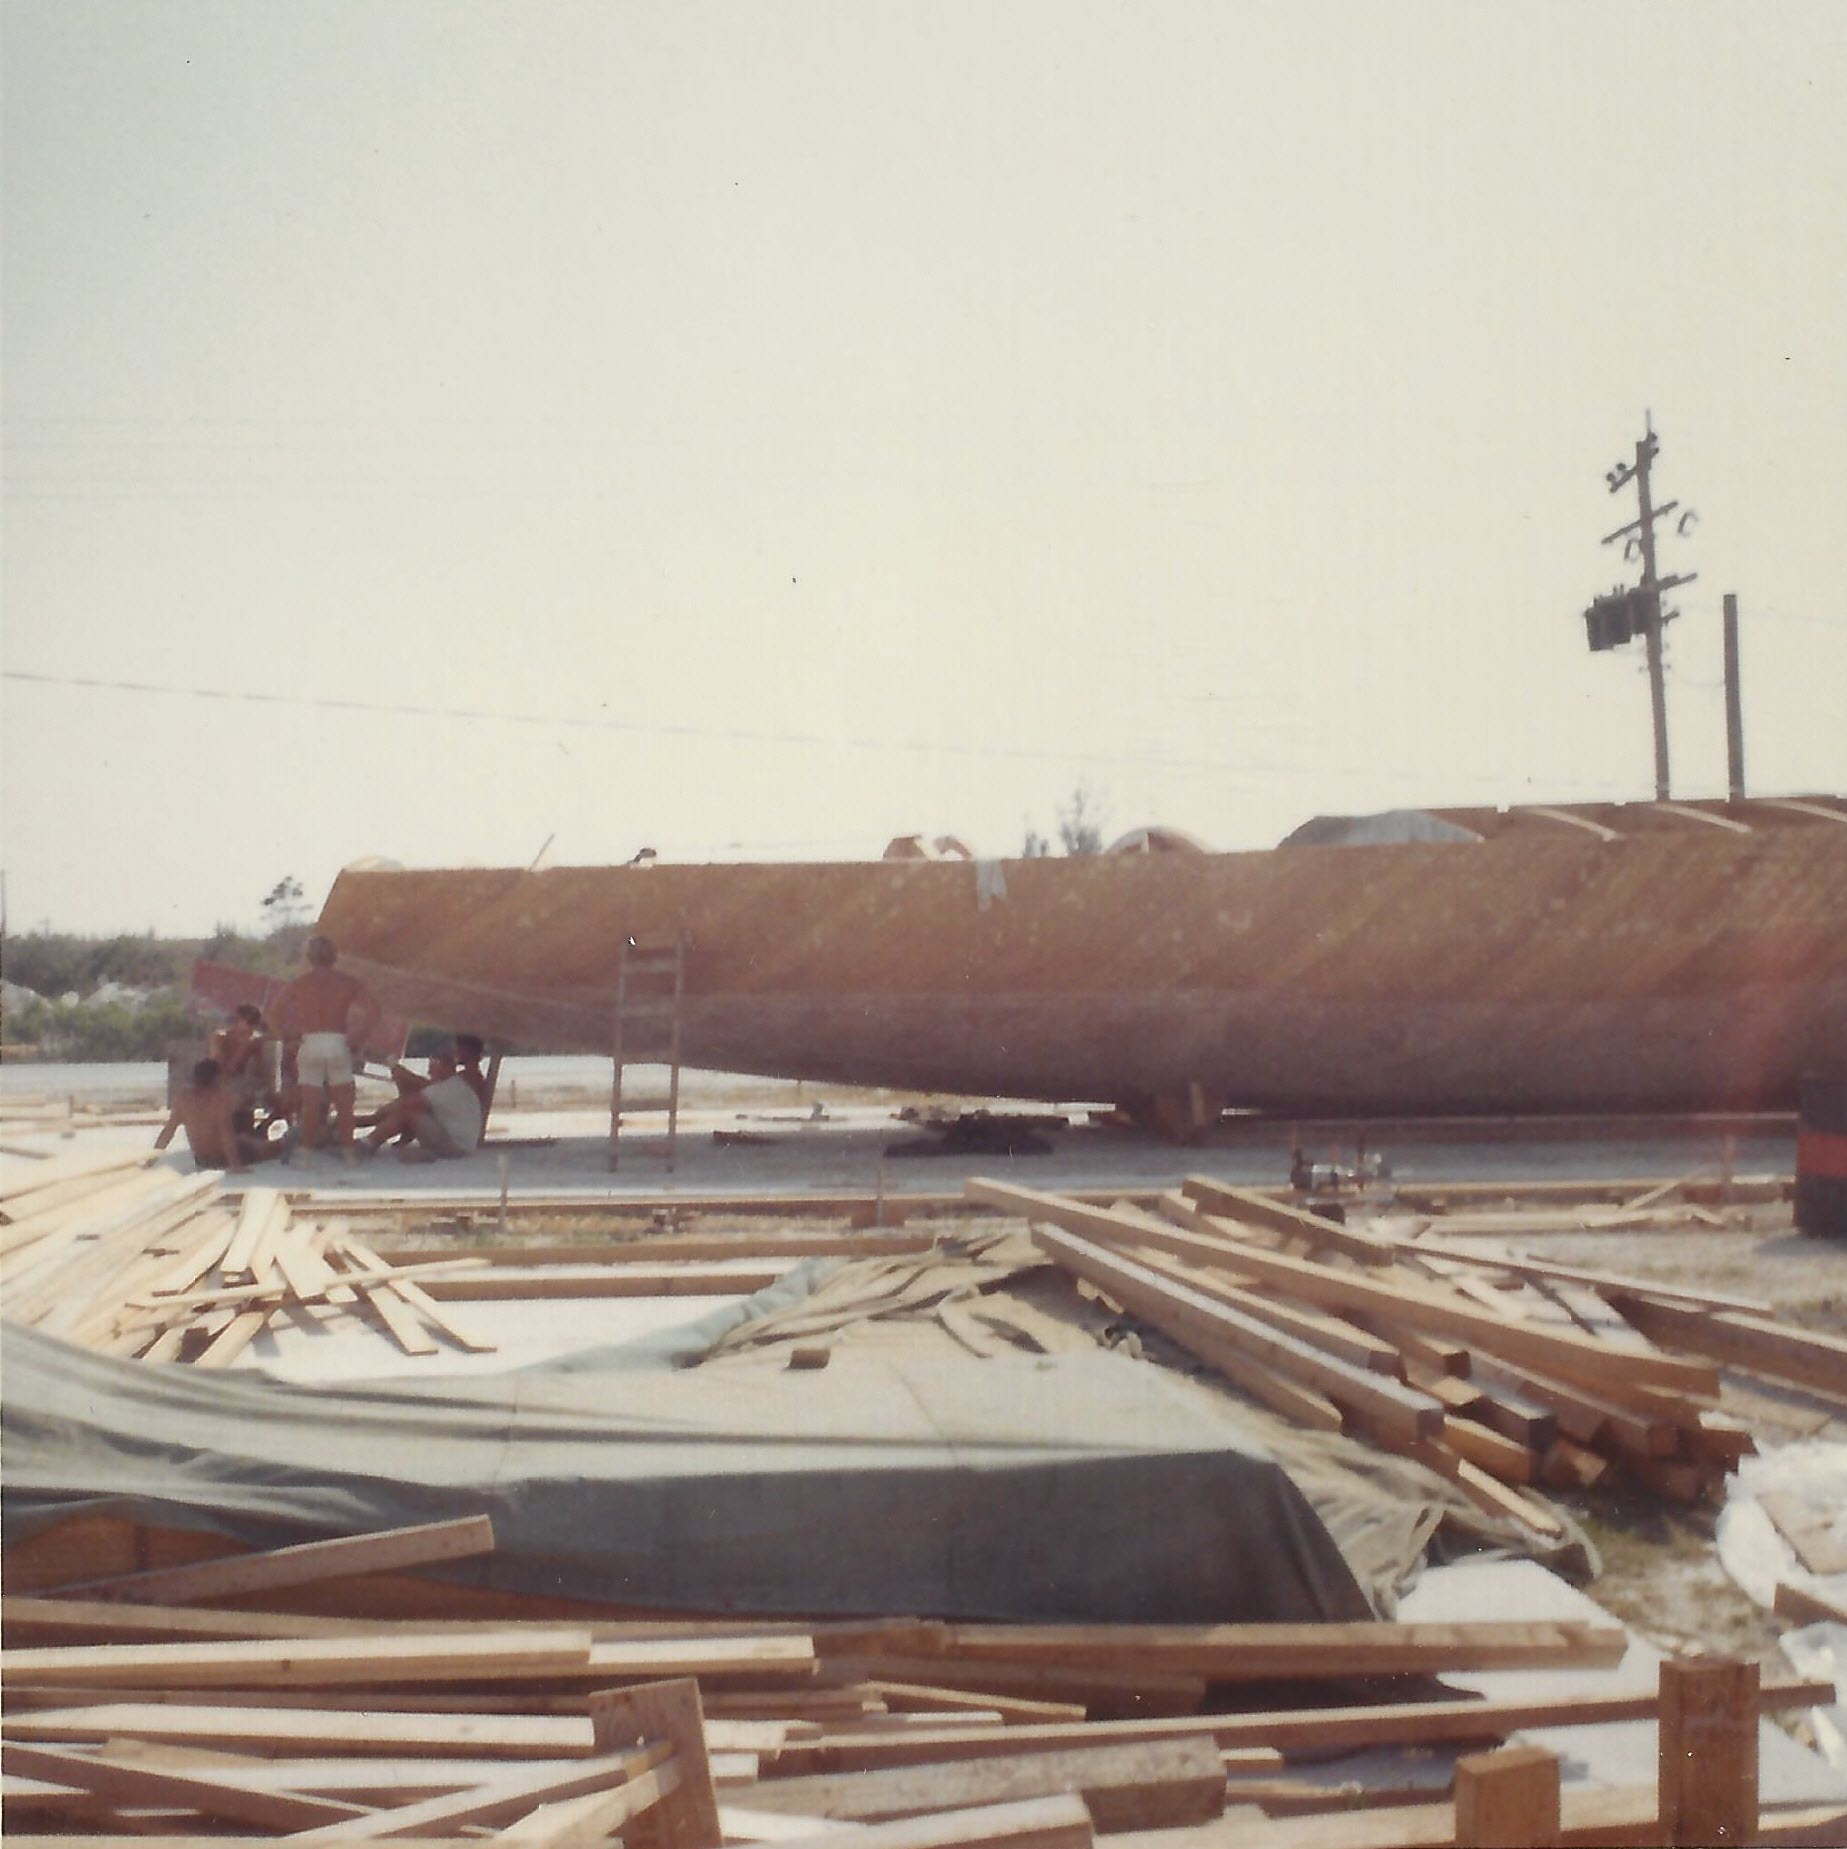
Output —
(464, 433)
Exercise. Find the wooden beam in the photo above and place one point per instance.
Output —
(1509, 1799)
(1156, 1784)
(1287, 1652)
(1418, 1308)
(1250, 1208)
(489, 1656)
(1287, 1730)
(1182, 1312)
(239, 1574)
(1806, 1357)
(1708, 1763)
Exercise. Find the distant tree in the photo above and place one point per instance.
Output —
(1035, 846)
(286, 904)
(1080, 822)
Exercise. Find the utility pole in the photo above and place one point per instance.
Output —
(1651, 611)
(1622, 615)
(1734, 704)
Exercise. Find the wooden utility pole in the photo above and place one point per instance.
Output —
(1734, 705)
(1617, 618)
(1651, 615)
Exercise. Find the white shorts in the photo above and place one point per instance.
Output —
(324, 1059)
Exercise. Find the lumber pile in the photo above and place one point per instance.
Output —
(1506, 1376)
(132, 1258)
(183, 1704)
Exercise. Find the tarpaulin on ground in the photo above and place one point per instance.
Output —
(1058, 1487)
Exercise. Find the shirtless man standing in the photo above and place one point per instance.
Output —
(203, 1110)
(327, 1014)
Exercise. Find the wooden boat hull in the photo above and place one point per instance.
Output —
(1540, 968)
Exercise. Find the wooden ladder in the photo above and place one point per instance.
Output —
(650, 987)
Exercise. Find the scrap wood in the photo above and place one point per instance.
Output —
(1817, 1534)
(1153, 1784)
(1809, 1604)
(421, 1545)
(1116, 1691)
(929, 1698)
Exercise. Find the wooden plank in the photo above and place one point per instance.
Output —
(361, 1256)
(254, 1213)
(1560, 1351)
(1808, 1606)
(925, 1697)
(1250, 1208)
(1287, 1730)
(18, 1181)
(490, 1656)
(1509, 1799)
(1155, 1784)
(498, 1801)
(1501, 1458)
(592, 1821)
(1330, 1333)
(1032, 1823)
(1180, 1311)
(391, 1548)
(1585, 1415)
(1708, 1751)
(1602, 1282)
(498, 1284)
(235, 1337)
(1117, 1692)
(1807, 1357)
(126, 1783)
(1285, 1652)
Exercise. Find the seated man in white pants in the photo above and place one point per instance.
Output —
(442, 1116)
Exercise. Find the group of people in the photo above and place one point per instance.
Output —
(320, 1025)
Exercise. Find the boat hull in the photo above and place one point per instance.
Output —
(1668, 969)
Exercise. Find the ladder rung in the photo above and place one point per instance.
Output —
(651, 959)
(644, 1010)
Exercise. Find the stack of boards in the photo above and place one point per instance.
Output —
(224, 1695)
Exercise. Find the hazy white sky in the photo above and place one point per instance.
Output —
(779, 427)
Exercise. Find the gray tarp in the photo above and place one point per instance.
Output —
(1080, 1486)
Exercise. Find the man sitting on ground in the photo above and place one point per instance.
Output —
(442, 1117)
(241, 1049)
(204, 1110)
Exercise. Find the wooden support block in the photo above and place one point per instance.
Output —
(421, 1545)
(1708, 1762)
(1509, 1799)
(1808, 1606)
(1149, 1785)
(626, 1719)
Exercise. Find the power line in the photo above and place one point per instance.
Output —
(633, 728)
